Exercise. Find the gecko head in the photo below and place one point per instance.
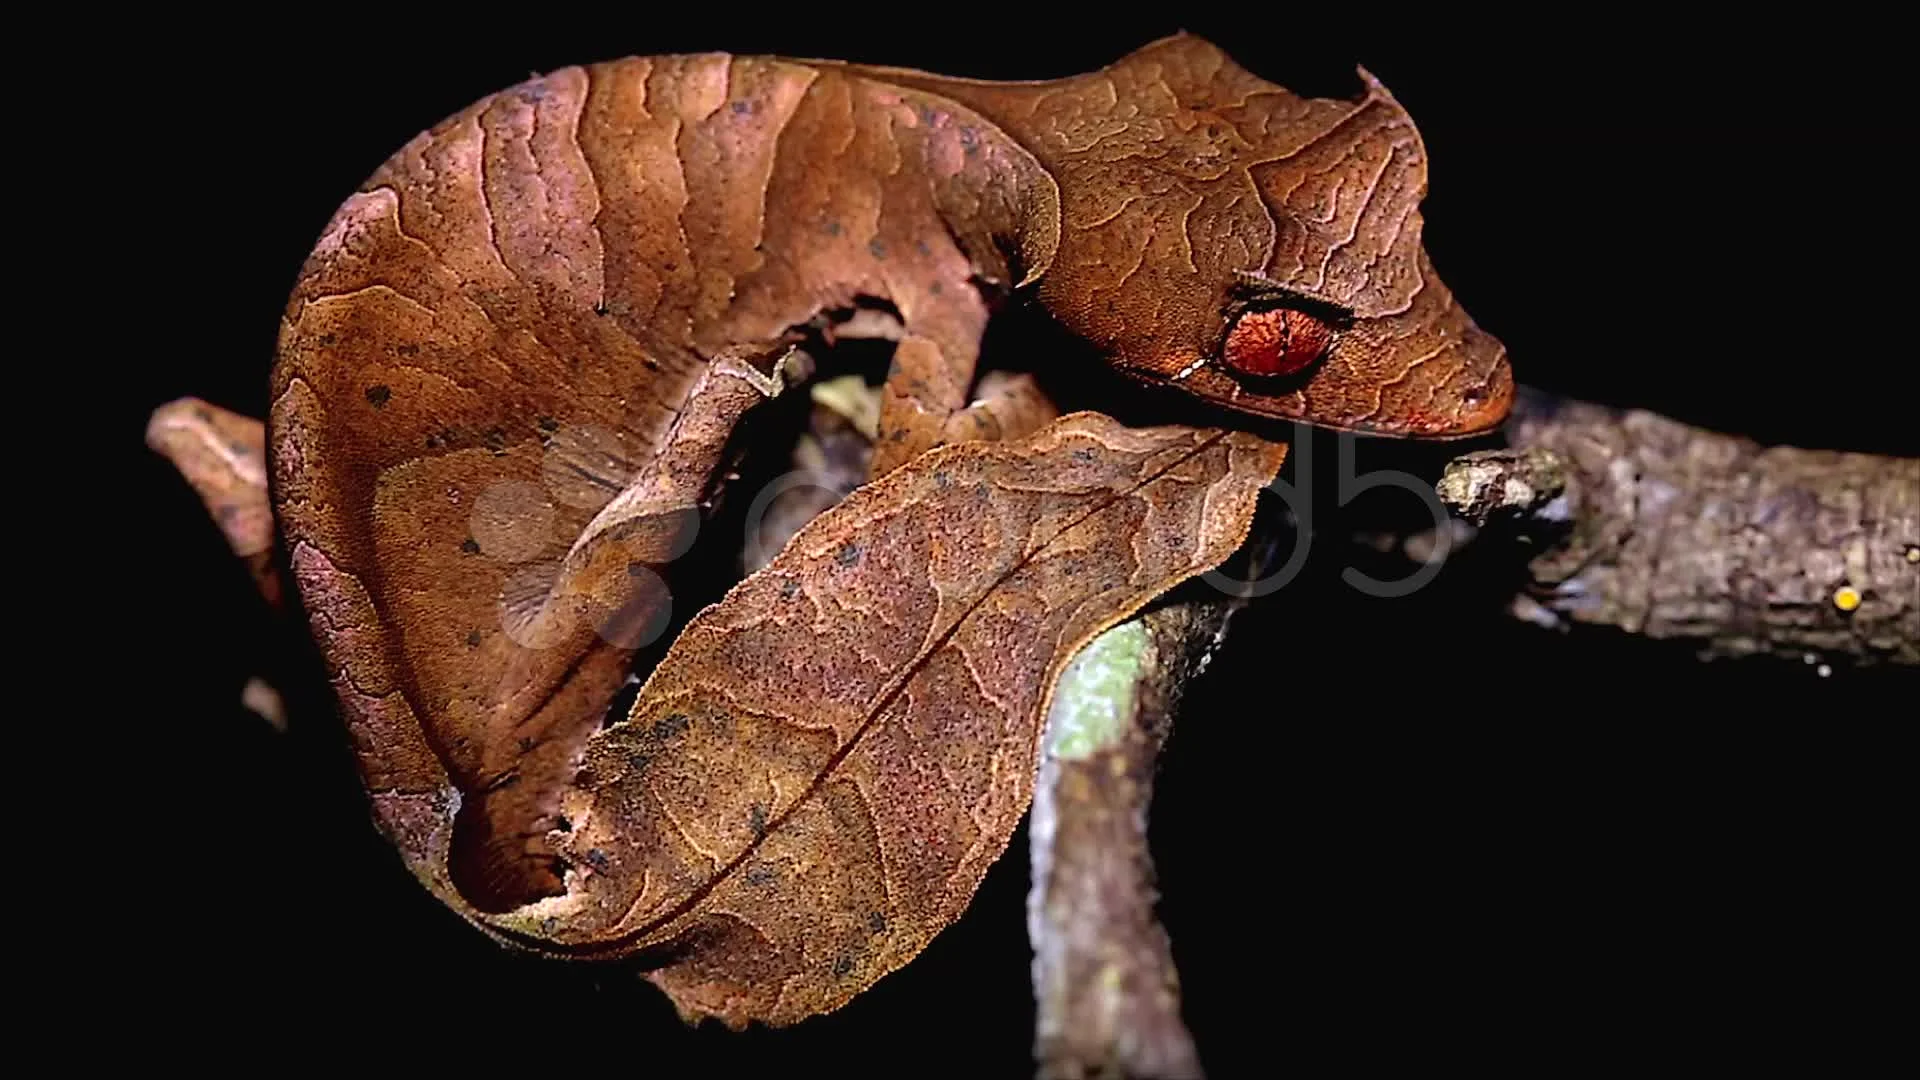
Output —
(1262, 251)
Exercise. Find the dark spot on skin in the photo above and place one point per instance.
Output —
(473, 639)
(470, 546)
(432, 442)
(922, 248)
(446, 437)
(843, 967)
(549, 924)
(742, 108)
(326, 339)
(650, 363)
(598, 860)
(876, 922)
(563, 825)
(496, 441)
(848, 554)
(970, 140)
(226, 513)
(833, 228)
(377, 396)
(525, 744)
(635, 763)
(407, 350)
(933, 289)
(942, 480)
(789, 589)
(670, 725)
(760, 874)
(637, 569)
(549, 424)
(757, 820)
(203, 416)
(897, 434)
(585, 778)
(1083, 455)
(877, 248)
(600, 308)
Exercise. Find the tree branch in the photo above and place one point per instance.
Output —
(1624, 519)
(1106, 991)
(1631, 520)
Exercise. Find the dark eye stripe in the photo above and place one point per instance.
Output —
(1260, 292)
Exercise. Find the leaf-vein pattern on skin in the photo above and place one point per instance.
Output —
(882, 703)
(583, 245)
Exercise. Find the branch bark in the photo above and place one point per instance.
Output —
(1631, 520)
(1625, 519)
(1106, 991)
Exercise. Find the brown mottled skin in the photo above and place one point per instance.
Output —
(508, 372)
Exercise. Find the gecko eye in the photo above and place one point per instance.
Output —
(1276, 341)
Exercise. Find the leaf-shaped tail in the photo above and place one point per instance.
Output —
(820, 771)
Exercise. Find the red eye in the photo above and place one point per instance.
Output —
(1278, 341)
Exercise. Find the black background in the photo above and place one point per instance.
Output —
(1402, 831)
